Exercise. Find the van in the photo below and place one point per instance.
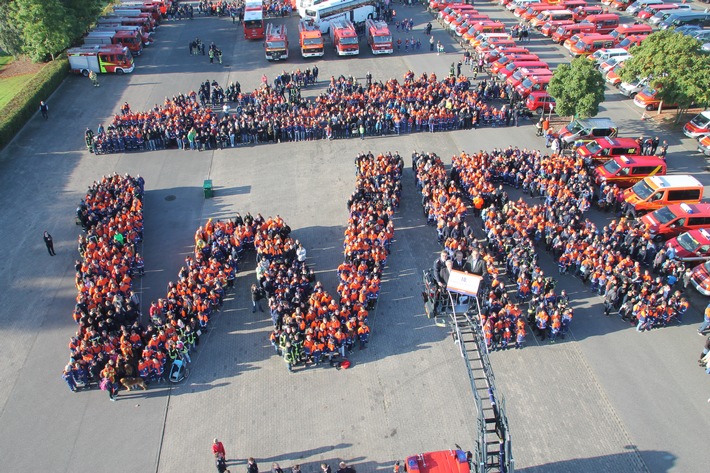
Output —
(486, 36)
(587, 129)
(563, 33)
(701, 19)
(629, 41)
(574, 39)
(509, 69)
(622, 31)
(693, 245)
(625, 171)
(506, 60)
(590, 44)
(700, 277)
(603, 149)
(487, 26)
(535, 10)
(540, 102)
(605, 54)
(534, 82)
(613, 75)
(521, 74)
(494, 43)
(662, 15)
(468, 29)
(648, 99)
(651, 10)
(704, 144)
(580, 13)
(552, 26)
(515, 4)
(639, 5)
(621, 5)
(551, 15)
(605, 23)
(630, 89)
(678, 218)
(699, 125)
(495, 54)
(655, 192)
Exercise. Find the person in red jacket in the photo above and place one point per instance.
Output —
(218, 449)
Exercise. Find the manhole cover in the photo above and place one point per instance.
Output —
(170, 198)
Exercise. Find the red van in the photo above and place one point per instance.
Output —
(675, 219)
(603, 149)
(648, 99)
(691, 246)
(494, 54)
(540, 102)
(504, 61)
(533, 83)
(580, 13)
(623, 31)
(509, 69)
(551, 26)
(591, 44)
(605, 23)
(625, 171)
(521, 74)
(564, 33)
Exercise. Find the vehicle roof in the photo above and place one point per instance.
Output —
(539, 93)
(690, 209)
(444, 461)
(596, 122)
(609, 141)
(638, 159)
(682, 180)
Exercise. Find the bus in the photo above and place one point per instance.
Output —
(303, 4)
(254, 19)
(357, 11)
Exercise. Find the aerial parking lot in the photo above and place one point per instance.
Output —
(606, 397)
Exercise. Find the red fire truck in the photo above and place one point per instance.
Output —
(344, 37)
(276, 42)
(100, 59)
(379, 37)
(130, 39)
(145, 37)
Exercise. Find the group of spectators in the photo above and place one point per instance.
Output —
(621, 261)
(309, 323)
(278, 113)
(107, 310)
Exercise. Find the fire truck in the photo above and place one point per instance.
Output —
(111, 58)
(145, 7)
(344, 37)
(146, 38)
(379, 37)
(276, 42)
(142, 23)
(135, 14)
(310, 39)
(130, 39)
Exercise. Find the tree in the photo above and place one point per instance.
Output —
(677, 65)
(47, 27)
(10, 33)
(578, 89)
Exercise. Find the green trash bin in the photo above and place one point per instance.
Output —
(207, 187)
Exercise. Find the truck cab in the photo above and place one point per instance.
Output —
(275, 42)
(379, 37)
(625, 171)
(344, 37)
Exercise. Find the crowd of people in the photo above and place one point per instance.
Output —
(310, 325)
(107, 310)
(277, 112)
(621, 262)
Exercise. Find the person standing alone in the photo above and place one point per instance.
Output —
(49, 242)
(44, 109)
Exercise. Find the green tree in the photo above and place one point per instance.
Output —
(578, 89)
(46, 25)
(677, 65)
(10, 33)
(82, 13)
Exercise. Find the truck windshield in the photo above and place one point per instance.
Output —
(313, 41)
(612, 167)
(383, 39)
(687, 242)
(348, 41)
(643, 190)
(276, 45)
(593, 147)
(663, 215)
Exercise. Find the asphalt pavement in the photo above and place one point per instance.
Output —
(605, 399)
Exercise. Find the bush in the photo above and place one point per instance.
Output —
(25, 104)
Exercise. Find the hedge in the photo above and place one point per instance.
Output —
(25, 104)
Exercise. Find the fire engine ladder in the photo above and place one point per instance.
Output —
(493, 446)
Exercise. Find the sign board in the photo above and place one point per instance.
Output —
(463, 283)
